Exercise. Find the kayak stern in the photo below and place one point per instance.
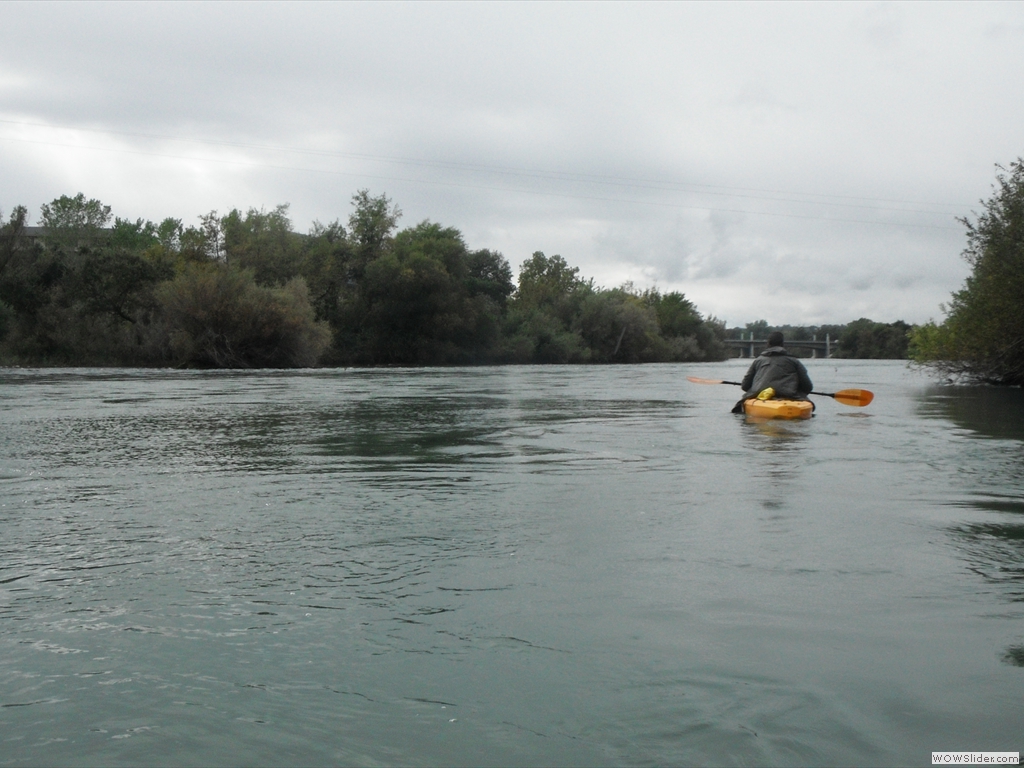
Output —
(778, 409)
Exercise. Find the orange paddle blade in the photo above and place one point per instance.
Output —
(857, 397)
(698, 380)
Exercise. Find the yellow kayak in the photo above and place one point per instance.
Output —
(778, 409)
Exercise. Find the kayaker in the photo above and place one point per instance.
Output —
(775, 368)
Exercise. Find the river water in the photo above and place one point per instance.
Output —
(505, 566)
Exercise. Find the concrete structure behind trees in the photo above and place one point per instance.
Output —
(752, 347)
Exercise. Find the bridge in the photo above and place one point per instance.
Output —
(752, 347)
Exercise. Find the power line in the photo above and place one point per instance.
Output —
(603, 179)
(251, 164)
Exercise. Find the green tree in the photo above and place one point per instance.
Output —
(618, 326)
(219, 317)
(867, 340)
(27, 271)
(489, 274)
(371, 226)
(119, 281)
(759, 328)
(262, 242)
(547, 282)
(689, 336)
(84, 298)
(676, 314)
(539, 324)
(326, 257)
(73, 222)
(134, 236)
(982, 337)
(535, 336)
(10, 246)
(10, 235)
(428, 300)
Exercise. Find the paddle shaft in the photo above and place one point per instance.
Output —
(822, 394)
(855, 397)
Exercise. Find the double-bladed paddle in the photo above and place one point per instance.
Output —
(855, 397)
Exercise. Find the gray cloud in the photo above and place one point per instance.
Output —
(800, 163)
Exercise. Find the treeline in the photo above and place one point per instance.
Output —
(862, 339)
(246, 290)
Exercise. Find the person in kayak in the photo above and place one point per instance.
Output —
(775, 368)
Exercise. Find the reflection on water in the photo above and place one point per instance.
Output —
(988, 412)
(776, 434)
(1015, 655)
(993, 550)
(777, 459)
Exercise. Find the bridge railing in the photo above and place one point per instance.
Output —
(752, 347)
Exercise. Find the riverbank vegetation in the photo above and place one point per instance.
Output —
(862, 339)
(982, 337)
(246, 290)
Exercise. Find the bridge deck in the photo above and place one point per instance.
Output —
(754, 347)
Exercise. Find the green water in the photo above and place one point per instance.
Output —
(505, 566)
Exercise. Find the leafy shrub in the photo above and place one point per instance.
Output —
(218, 317)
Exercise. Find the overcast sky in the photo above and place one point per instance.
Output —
(803, 163)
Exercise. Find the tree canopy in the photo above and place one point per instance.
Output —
(982, 337)
(244, 289)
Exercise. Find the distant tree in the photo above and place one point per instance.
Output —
(325, 264)
(168, 232)
(134, 236)
(867, 340)
(677, 316)
(86, 297)
(532, 335)
(982, 337)
(10, 235)
(262, 242)
(546, 281)
(688, 335)
(7, 319)
(489, 274)
(72, 222)
(539, 324)
(212, 227)
(795, 332)
(27, 272)
(619, 326)
(428, 300)
(759, 328)
(831, 331)
(10, 245)
(118, 280)
(200, 245)
(371, 226)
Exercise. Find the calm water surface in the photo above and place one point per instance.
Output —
(522, 565)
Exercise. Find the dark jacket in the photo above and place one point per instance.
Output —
(777, 369)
